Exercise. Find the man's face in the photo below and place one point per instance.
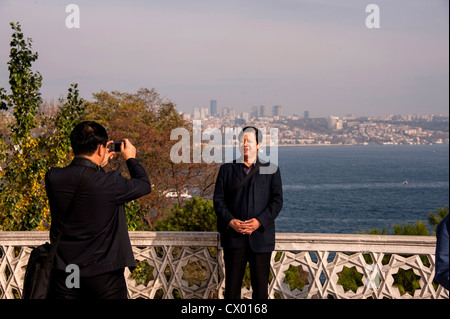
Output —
(247, 144)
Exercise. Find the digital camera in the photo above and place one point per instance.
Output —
(115, 146)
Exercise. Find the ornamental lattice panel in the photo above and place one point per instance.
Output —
(189, 265)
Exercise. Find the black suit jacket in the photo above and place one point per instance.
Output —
(95, 236)
(265, 201)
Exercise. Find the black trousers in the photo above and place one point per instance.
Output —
(111, 285)
(235, 264)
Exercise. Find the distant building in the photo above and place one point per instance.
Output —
(277, 110)
(254, 112)
(335, 123)
(306, 114)
(204, 112)
(264, 111)
(196, 113)
(213, 108)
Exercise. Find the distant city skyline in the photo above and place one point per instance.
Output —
(332, 130)
(278, 110)
(315, 55)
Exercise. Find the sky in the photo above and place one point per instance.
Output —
(315, 55)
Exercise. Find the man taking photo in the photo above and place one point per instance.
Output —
(94, 234)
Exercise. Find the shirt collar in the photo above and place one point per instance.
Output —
(82, 161)
(253, 164)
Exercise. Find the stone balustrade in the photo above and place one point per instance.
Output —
(190, 265)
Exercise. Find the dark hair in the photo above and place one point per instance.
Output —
(86, 137)
(257, 133)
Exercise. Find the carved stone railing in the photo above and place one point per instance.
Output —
(190, 265)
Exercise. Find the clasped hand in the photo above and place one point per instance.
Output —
(245, 227)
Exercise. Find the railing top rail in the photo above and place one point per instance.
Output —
(284, 241)
(356, 243)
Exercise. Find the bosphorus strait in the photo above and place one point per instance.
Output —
(345, 189)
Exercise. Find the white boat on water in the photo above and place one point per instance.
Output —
(174, 194)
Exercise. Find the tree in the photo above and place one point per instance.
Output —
(148, 120)
(434, 218)
(19, 188)
(55, 139)
(32, 143)
(197, 214)
(419, 228)
(25, 84)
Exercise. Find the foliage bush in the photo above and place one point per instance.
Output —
(197, 214)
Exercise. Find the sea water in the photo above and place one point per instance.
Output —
(345, 189)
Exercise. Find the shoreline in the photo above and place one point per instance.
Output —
(327, 145)
(290, 145)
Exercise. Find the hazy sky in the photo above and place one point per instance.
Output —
(315, 55)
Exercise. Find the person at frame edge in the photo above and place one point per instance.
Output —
(441, 260)
(246, 216)
(95, 236)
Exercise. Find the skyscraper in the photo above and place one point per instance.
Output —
(277, 110)
(254, 112)
(213, 108)
(225, 111)
(264, 111)
(204, 112)
(306, 114)
(196, 113)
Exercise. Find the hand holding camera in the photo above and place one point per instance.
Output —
(126, 149)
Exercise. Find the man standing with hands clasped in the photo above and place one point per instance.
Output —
(94, 234)
(246, 202)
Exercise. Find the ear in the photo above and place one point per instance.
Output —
(100, 150)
